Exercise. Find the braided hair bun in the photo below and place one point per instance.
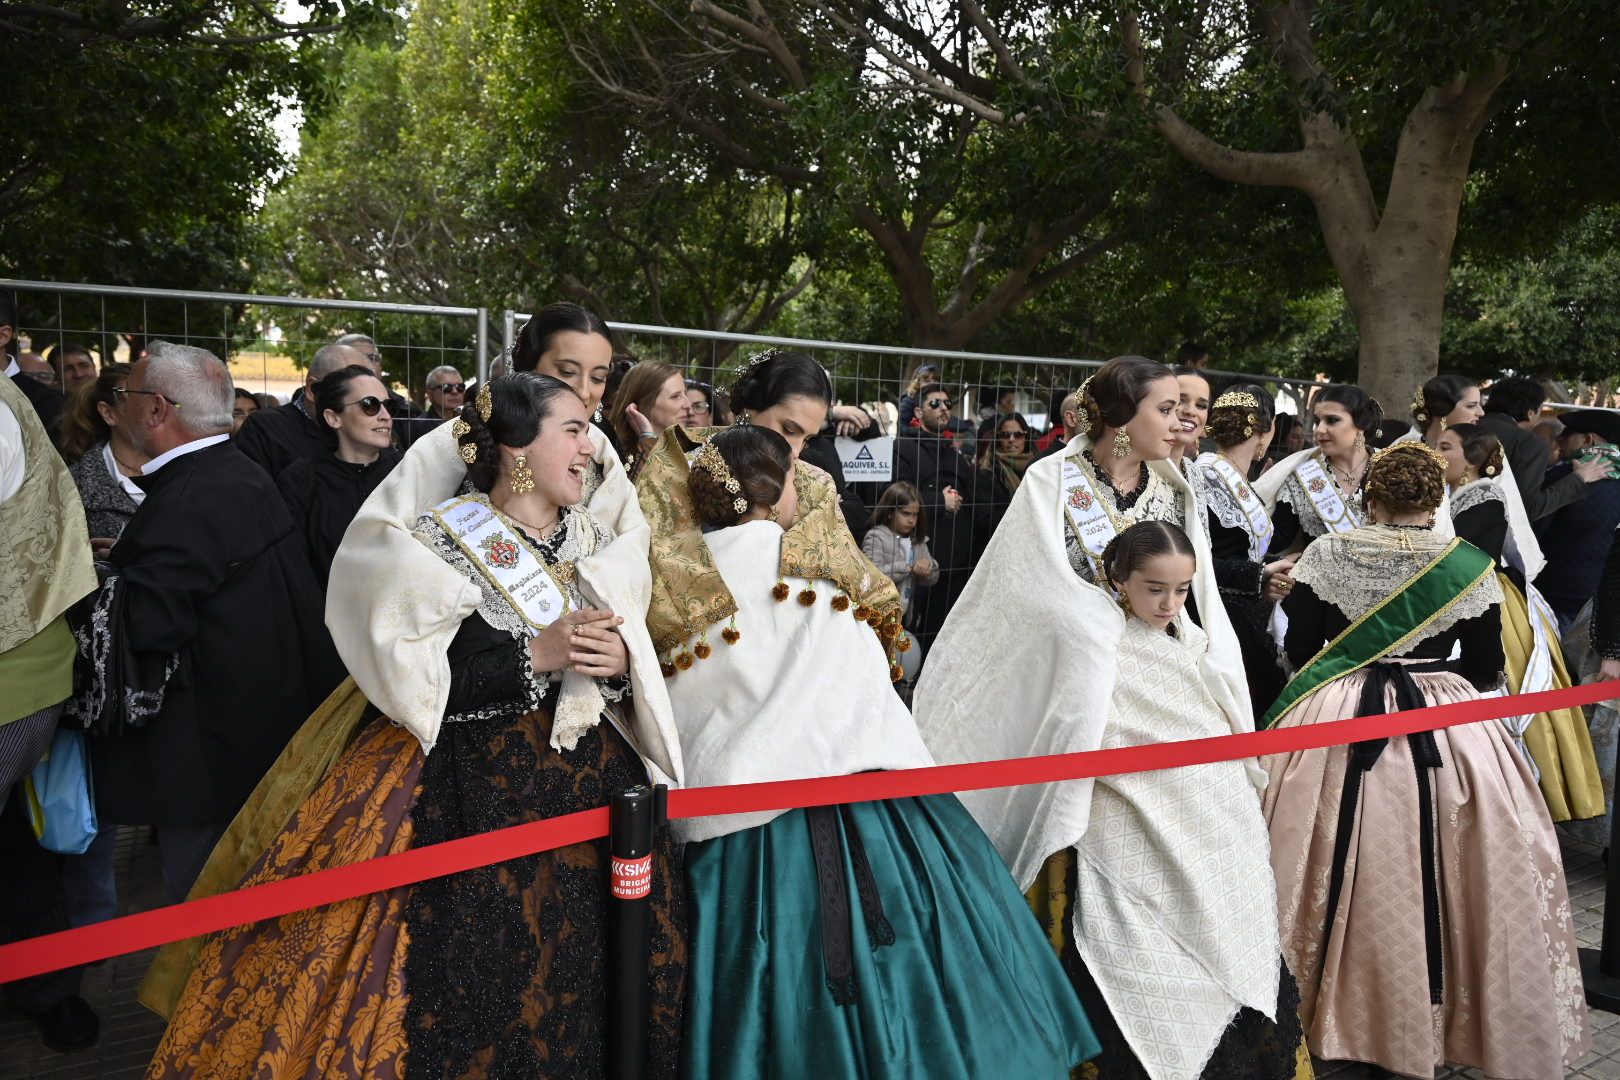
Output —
(1110, 397)
(517, 403)
(1407, 478)
(1240, 413)
(756, 459)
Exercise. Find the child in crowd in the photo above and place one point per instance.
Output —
(897, 543)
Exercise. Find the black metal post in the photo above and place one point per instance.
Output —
(634, 817)
(1600, 970)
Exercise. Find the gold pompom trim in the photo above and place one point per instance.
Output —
(780, 591)
(702, 649)
(874, 619)
(731, 634)
(902, 643)
(862, 612)
(683, 660)
(667, 668)
(889, 631)
(840, 602)
(807, 597)
(896, 673)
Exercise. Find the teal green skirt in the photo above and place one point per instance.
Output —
(966, 984)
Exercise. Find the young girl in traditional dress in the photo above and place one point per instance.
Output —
(1488, 512)
(1420, 891)
(1175, 932)
(501, 970)
(874, 939)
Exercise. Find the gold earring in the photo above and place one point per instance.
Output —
(522, 479)
(1125, 603)
(1122, 443)
(1361, 440)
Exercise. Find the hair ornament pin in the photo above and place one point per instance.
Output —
(485, 405)
(460, 427)
(1490, 470)
(709, 459)
(1235, 399)
(1418, 411)
(469, 453)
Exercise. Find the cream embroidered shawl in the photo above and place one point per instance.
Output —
(393, 605)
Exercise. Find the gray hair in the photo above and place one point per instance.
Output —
(196, 381)
(355, 339)
(328, 358)
(440, 370)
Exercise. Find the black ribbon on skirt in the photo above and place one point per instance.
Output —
(837, 931)
(1425, 756)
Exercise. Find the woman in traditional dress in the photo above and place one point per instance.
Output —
(1420, 891)
(325, 491)
(1488, 512)
(873, 939)
(1443, 402)
(1193, 412)
(1146, 884)
(498, 971)
(1240, 534)
(1318, 490)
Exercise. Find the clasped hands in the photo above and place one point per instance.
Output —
(586, 641)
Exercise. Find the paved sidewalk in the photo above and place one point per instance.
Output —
(129, 1033)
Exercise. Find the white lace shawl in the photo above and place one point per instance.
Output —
(1356, 571)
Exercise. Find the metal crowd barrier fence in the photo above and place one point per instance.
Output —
(876, 376)
(267, 340)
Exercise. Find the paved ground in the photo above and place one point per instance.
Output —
(130, 1033)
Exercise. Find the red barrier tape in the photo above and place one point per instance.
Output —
(133, 933)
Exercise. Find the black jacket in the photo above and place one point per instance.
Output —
(1606, 605)
(275, 438)
(1576, 542)
(215, 576)
(1528, 455)
(323, 494)
(47, 401)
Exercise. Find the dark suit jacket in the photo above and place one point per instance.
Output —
(47, 402)
(275, 438)
(1528, 456)
(216, 576)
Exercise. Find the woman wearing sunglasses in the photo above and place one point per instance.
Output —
(324, 492)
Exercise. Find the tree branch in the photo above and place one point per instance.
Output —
(767, 39)
(1004, 57)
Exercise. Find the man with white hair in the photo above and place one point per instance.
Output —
(275, 438)
(207, 591)
(399, 406)
(446, 392)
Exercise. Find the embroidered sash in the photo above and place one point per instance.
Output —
(1385, 628)
(1087, 513)
(1253, 507)
(1325, 497)
(504, 559)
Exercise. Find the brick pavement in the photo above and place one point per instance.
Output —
(130, 1033)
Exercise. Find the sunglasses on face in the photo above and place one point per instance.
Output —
(451, 387)
(371, 406)
(1011, 434)
(939, 403)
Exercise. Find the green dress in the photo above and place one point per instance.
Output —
(950, 974)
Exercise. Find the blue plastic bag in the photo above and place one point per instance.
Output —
(61, 803)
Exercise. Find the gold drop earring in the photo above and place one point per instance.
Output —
(522, 479)
(1361, 441)
(1122, 443)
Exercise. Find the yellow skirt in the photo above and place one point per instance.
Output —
(1560, 743)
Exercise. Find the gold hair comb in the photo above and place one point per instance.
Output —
(710, 461)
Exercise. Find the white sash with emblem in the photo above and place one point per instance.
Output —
(1088, 514)
(1325, 498)
(1254, 509)
(505, 560)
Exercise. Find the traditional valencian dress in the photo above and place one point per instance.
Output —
(1146, 883)
(1420, 891)
(1239, 538)
(874, 939)
(439, 650)
(1489, 514)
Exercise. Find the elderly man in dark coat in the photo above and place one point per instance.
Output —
(1575, 539)
(205, 649)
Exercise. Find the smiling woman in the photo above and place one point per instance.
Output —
(324, 492)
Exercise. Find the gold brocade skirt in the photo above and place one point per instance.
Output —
(1051, 897)
(1559, 742)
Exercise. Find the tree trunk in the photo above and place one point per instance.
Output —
(1398, 320)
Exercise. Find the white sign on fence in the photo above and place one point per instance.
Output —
(869, 460)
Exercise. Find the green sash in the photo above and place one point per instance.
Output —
(1391, 624)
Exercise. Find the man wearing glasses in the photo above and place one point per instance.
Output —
(275, 438)
(925, 455)
(446, 392)
(399, 406)
(209, 648)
